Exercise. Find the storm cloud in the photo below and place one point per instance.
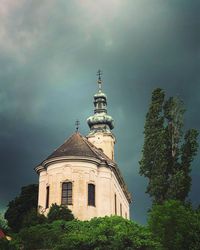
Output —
(49, 54)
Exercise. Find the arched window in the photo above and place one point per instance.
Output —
(66, 193)
(91, 195)
(120, 209)
(115, 204)
(47, 197)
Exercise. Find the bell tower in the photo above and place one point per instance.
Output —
(101, 123)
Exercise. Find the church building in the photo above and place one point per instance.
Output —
(82, 173)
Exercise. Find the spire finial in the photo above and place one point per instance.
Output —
(99, 74)
(77, 123)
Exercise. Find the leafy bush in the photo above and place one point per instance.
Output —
(3, 223)
(42, 236)
(32, 218)
(57, 212)
(99, 233)
(4, 244)
(175, 225)
(21, 206)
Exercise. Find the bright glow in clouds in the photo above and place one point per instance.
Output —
(6, 6)
(100, 15)
(101, 11)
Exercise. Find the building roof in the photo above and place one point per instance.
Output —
(2, 235)
(74, 146)
(78, 145)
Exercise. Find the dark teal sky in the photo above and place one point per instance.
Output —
(49, 54)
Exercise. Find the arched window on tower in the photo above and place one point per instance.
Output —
(91, 195)
(66, 193)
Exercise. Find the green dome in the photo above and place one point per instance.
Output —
(100, 119)
(100, 95)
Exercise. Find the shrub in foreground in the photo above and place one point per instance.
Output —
(175, 225)
(100, 233)
(59, 212)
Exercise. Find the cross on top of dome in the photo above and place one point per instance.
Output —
(99, 74)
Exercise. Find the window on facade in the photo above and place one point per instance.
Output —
(115, 204)
(120, 209)
(47, 197)
(66, 193)
(91, 195)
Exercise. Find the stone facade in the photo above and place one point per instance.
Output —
(81, 173)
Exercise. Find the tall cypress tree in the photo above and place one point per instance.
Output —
(188, 151)
(165, 162)
(173, 114)
(153, 164)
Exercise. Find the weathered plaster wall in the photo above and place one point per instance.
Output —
(80, 173)
(104, 141)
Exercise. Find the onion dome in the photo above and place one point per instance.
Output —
(100, 121)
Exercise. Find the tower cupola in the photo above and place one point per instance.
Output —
(101, 123)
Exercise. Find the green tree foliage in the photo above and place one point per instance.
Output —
(3, 223)
(33, 218)
(21, 206)
(153, 164)
(57, 212)
(175, 226)
(5, 245)
(188, 150)
(166, 159)
(100, 233)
